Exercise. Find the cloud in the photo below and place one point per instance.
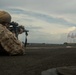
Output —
(44, 17)
(48, 21)
(49, 6)
(42, 27)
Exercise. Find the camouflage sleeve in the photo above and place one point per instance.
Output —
(10, 43)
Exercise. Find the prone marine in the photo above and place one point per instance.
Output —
(9, 44)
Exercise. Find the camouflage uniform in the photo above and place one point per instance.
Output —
(8, 41)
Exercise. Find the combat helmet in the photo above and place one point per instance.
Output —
(5, 17)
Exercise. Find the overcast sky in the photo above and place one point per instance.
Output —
(48, 21)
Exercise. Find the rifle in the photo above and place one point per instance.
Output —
(15, 28)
